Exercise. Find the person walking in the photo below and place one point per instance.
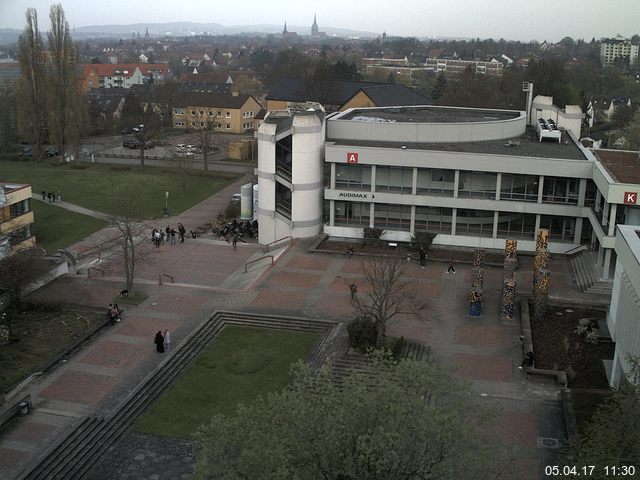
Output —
(181, 232)
(173, 236)
(423, 257)
(167, 340)
(111, 314)
(353, 289)
(451, 269)
(234, 242)
(49, 196)
(159, 341)
(44, 195)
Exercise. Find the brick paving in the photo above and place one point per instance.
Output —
(483, 367)
(80, 387)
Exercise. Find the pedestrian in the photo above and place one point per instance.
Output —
(234, 242)
(167, 231)
(451, 269)
(173, 236)
(423, 257)
(353, 288)
(349, 251)
(528, 361)
(49, 196)
(44, 195)
(117, 312)
(111, 315)
(159, 341)
(181, 232)
(167, 340)
(161, 237)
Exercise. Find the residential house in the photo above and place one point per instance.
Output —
(16, 218)
(232, 113)
(456, 66)
(619, 48)
(602, 109)
(122, 75)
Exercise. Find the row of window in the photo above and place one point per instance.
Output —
(15, 210)
(439, 220)
(433, 181)
(218, 114)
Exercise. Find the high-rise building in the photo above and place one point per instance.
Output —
(619, 47)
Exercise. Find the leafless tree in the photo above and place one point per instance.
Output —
(390, 294)
(132, 245)
(64, 83)
(32, 85)
(206, 143)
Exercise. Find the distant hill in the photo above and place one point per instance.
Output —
(9, 35)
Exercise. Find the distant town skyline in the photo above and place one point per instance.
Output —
(510, 19)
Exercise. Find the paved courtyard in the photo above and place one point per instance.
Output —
(486, 350)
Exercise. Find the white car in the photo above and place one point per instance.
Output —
(181, 148)
(236, 197)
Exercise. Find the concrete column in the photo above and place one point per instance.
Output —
(582, 191)
(616, 371)
(454, 214)
(498, 185)
(495, 225)
(372, 212)
(598, 197)
(605, 214)
(612, 219)
(414, 183)
(540, 187)
(600, 255)
(607, 264)
(456, 183)
(332, 211)
(412, 229)
(373, 180)
(537, 227)
(577, 234)
(332, 183)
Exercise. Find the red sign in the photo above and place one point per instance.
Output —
(630, 198)
(352, 157)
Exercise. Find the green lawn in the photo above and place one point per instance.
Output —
(57, 228)
(40, 333)
(105, 188)
(240, 364)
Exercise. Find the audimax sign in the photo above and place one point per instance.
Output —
(354, 195)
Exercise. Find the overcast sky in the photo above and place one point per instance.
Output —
(510, 19)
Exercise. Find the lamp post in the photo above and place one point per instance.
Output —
(166, 204)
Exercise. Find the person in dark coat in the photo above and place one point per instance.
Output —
(423, 257)
(159, 341)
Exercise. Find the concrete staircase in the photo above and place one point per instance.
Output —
(74, 456)
(585, 276)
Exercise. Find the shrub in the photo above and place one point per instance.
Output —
(362, 333)
(232, 211)
(422, 239)
(394, 345)
(372, 236)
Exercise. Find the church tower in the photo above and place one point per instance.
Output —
(284, 32)
(314, 27)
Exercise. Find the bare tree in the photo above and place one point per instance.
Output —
(32, 85)
(206, 143)
(64, 81)
(132, 246)
(390, 295)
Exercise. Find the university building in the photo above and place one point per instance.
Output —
(473, 177)
(16, 218)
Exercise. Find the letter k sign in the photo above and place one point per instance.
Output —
(630, 198)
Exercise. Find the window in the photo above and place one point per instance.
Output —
(218, 125)
(355, 177)
(519, 187)
(474, 222)
(435, 181)
(477, 184)
(201, 112)
(352, 213)
(394, 179)
(210, 113)
(433, 219)
(560, 190)
(202, 124)
(193, 123)
(513, 224)
(393, 217)
(228, 114)
(219, 113)
(19, 208)
(560, 228)
(228, 126)
(193, 112)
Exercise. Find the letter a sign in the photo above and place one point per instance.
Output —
(630, 198)
(352, 157)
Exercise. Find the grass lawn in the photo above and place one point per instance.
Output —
(41, 332)
(240, 364)
(99, 187)
(57, 228)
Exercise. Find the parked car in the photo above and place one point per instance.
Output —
(181, 148)
(130, 143)
(236, 197)
(52, 152)
(26, 151)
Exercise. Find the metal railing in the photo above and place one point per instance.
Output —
(268, 245)
(577, 249)
(98, 248)
(257, 260)
(160, 277)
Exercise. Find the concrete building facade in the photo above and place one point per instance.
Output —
(618, 48)
(16, 218)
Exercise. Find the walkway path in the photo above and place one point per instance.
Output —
(486, 350)
(72, 207)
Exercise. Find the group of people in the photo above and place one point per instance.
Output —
(114, 313)
(163, 342)
(169, 234)
(50, 196)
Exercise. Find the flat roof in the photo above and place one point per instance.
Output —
(622, 165)
(526, 145)
(430, 114)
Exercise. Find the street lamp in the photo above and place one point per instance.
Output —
(166, 204)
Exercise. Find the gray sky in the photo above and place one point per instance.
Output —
(510, 19)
